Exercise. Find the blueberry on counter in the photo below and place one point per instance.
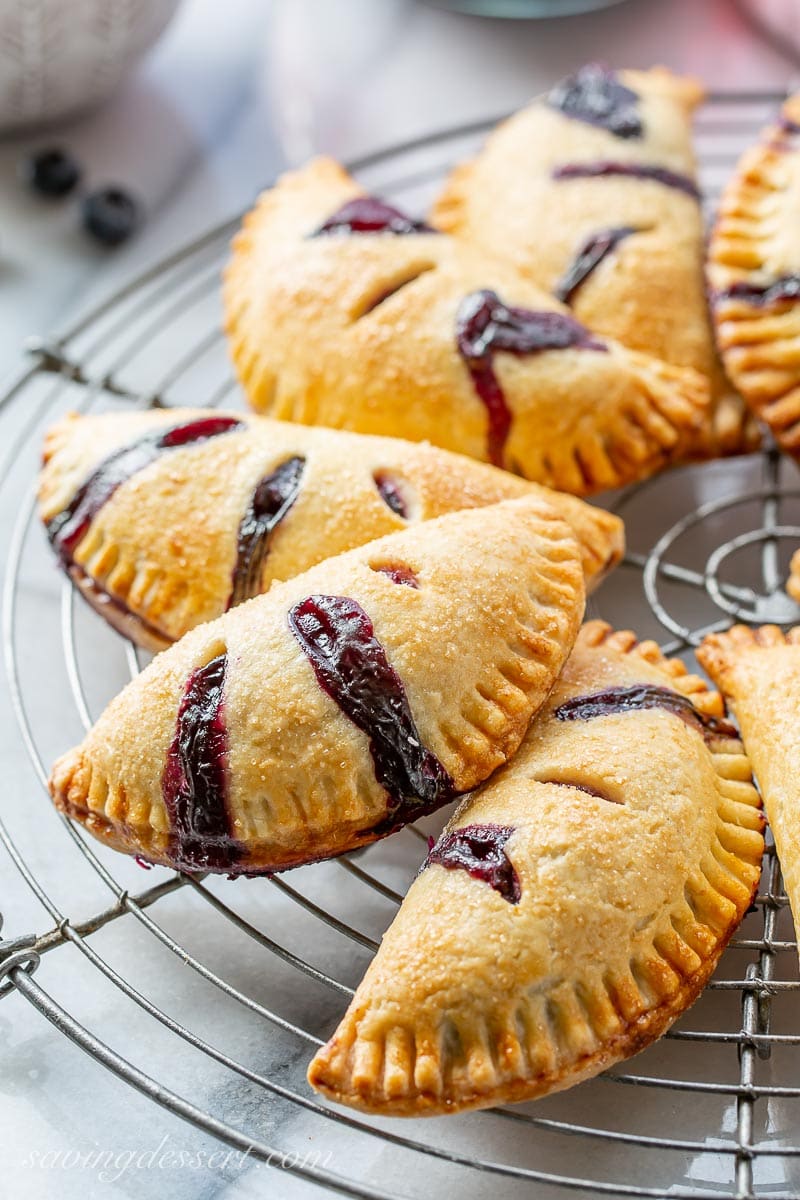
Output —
(51, 172)
(110, 215)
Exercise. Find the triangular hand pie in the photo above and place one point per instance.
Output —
(165, 519)
(592, 193)
(574, 906)
(758, 671)
(754, 273)
(343, 312)
(344, 703)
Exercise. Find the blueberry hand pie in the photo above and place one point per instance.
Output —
(592, 193)
(346, 702)
(166, 519)
(754, 273)
(341, 311)
(758, 672)
(574, 906)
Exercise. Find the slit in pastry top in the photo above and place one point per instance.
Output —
(399, 573)
(786, 288)
(588, 257)
(368, 214)
(484, 324)
(606, 168)
(352, 667)
(638, 696)
(195, 780)
(390, 489)
(595, 95)
(480, 851)
(68, 527)
(269, 504)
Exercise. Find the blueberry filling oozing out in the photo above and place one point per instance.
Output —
(639, 696)
(68, 528)
(391, 492)
(631, 170)
(351, 666)
(269, 504)
(480, 851)
(589, 255)
(484, 325)
(595, 95)
(762, 295)
(194, 781)
(368, 214)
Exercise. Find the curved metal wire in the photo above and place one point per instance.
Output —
(99, 356)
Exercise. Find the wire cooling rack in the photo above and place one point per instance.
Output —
(230, 985)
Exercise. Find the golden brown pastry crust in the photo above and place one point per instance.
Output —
(755, 243)
(649, 292)
(477, 647)
(758, 671)
(626, 902)
(159, 556)
(793, 582)
(310, 344)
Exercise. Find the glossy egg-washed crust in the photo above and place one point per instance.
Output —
(755, 241)
(758, 672)
(626, 904)
(477, 646)
(649, 293)
(309, 346)
(164, 547)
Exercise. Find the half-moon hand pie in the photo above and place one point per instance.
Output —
(572, 909)
(758, 672)
(341, 311)
(367, 691)
(754, 275)
(168, 518)
(592, 192)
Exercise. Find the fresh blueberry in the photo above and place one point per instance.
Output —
(110, 215)
(51, 172)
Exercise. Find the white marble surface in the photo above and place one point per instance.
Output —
(234, 91)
